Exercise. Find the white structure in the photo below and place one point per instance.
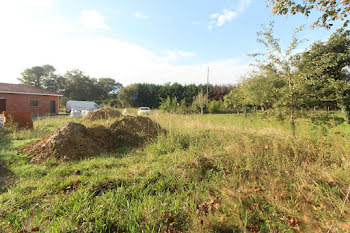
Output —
(81, 105)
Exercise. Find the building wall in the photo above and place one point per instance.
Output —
(21, 103)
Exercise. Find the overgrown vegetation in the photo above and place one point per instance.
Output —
(211, 173)
(291, 84)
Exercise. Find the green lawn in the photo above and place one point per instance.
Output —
(211, 173)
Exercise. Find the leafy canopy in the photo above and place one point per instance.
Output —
(332, 10)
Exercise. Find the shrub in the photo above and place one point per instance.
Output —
(165, 105)
(215, 106)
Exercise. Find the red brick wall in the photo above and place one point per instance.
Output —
(20, 103)
(23, 119)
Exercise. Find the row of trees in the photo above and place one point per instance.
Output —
(73, 84)
(153, 95)
(199, 104)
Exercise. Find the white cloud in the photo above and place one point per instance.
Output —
(139, 15)
(106, 57)
(91, 19)
(214, 16)
(187, 54)
(27, 3)
(227, 15)
(57, 41)
(173, 55)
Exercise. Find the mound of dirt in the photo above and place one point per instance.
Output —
(71, 141)
(74, 141)
(103, 114)
(134, 131)
(101, 135)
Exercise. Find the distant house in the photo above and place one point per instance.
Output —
(23, 98)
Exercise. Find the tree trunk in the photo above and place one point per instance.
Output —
(347, 114)
(292, 123)
(292, 106)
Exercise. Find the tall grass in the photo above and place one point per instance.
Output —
(212, 173)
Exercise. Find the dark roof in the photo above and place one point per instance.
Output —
(24, 89)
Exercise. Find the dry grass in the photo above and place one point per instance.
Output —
(212, 173)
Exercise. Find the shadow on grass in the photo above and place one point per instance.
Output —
(6, 176)
(5, 141)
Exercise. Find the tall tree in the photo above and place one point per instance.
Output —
(110, 87)
(235, 100)
(40, 76)
(283, 63)
(128, 95)
(263, 89)
(324, 68)
(200, 101)
(332, 10)
(81, 87)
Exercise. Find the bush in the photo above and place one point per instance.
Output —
(165, 105)
(215, 106)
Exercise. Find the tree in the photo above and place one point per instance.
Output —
(42, 77)
(200, 101)
(283, 63)
(165, 105)
(332, 10)
(109, 86)
(81, 87)
(262, 89)
(55, 83)
(190, 91)
(324, 68)
(128, 95)
(215, 106)
(235, 100)
(218, 92)
(183, 107)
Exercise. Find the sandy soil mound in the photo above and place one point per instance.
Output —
(75, 141)
(101, 135)
(71, 141)
(103, 114)
(134, 131)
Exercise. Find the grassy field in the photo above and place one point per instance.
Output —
(211, 173)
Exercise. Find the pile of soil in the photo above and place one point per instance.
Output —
(102, 114)
(74, 141)
(101, 135)
(134, 131)
(71, 141)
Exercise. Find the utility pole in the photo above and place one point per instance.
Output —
(208, 84)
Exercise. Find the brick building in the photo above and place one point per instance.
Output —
(23, 98)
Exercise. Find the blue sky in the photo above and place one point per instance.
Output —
(140, 41)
